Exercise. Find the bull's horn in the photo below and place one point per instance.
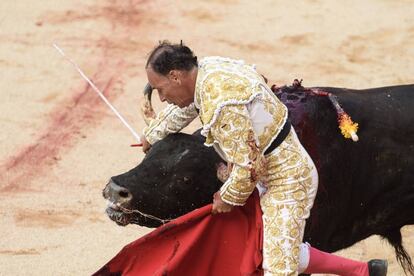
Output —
(147, 111)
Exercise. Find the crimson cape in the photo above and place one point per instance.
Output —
(197, 243)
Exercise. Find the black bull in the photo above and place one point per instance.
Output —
(366, 187)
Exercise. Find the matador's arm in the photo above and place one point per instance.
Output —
(234, 133)
(170, 120)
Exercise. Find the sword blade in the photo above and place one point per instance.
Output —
(101, 95)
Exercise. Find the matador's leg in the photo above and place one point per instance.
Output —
(292, 184)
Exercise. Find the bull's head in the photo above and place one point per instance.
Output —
(176, 176)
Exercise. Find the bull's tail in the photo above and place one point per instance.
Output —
(395, 239)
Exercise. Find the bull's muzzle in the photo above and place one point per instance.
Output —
(117, 194)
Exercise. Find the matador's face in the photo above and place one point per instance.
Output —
(172, 87)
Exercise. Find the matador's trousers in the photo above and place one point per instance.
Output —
(292, 183)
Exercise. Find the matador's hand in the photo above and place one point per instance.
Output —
(145, 144)
(219, 206)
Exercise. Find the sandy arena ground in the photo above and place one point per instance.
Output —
(59, 144)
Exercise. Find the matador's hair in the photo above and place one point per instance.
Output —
(166, 57)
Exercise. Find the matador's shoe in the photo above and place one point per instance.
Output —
(377, 267)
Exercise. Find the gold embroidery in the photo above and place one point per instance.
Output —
(170, 120)
(220, 87)
(233, 132)
(286, 205)
(257, 159)
(222, 82)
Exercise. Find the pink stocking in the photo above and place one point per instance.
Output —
(322, 262)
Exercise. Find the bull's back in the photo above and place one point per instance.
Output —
(386, 130)
(385, 110)
(362, 184)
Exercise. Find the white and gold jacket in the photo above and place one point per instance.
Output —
(240, 115)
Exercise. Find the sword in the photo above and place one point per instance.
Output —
(101, 95)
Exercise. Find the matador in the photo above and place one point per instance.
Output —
(248, 126)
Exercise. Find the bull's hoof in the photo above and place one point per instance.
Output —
(377, 267)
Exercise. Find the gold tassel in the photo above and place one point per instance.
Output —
(348, 127)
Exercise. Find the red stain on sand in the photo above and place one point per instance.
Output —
(85, 109)
(67, 120)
